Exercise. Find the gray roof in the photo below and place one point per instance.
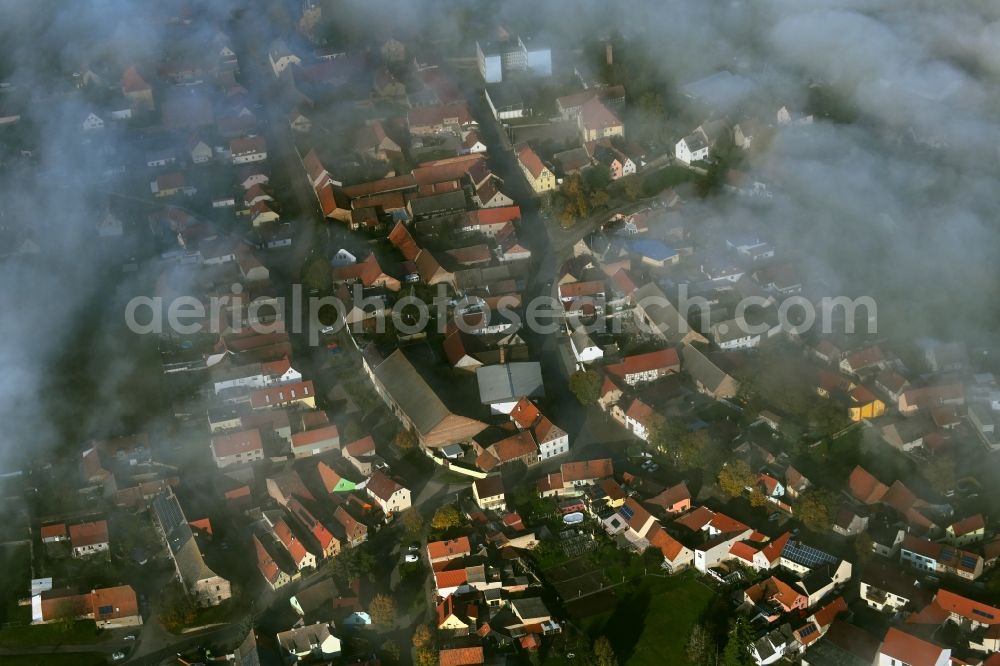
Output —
(662, 314)
(701, 368)
(508, 382)
(303, 639)
(504, 96)
(410, 392)
(529, 607)
(183, 548)
(437, 203)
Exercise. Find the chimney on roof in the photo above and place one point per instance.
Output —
(609, 53)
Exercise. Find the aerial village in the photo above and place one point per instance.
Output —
(641, 482)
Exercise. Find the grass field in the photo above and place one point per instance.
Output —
(82, 632)
(651, 624)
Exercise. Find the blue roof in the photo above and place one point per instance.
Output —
(654, 249)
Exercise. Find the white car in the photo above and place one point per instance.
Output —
(117, 656)
(410, 558)
(327, 330)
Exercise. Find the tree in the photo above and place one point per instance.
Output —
(406, 438)
(737, 650)
(382, 609)
(863, 548)
(604, 654)
(446, 518)
(633, 188)
(735, 477)
(390, 651)
(699, 645)
(413, 522)
(423, 643)
(816, 509)
(351, 563)
(757, 498)
(586, 386)
(176, 609)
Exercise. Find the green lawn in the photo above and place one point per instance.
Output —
(82, 632)
(650, 625)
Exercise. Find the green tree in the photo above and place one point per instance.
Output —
(735, 477)
(737, 650)
(390, 651)
(699, 645)
(633, 188)
(816, 508)
(351, 563)
(586, 386)
(446, 518)
(604, 654)
(863, 548)
(316, 274)
(382, 608)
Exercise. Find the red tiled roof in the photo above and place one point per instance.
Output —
(525, 413)
(88, 534)
(827, 614)
(669, 546)
(265, 563)
(380, 186)
(529, 158)
(639, 411)
(424, 116)
(743, 550)
(514, 447)
(909, 649)
(466, 656)
(288, 540)
(864, 487)
(967, 608)
(969, 524)
(595, 115)
(450, 578)
(578, 289)
(248, 145)
(53, 531)
(132, 81)
(439, 550)
(726, 525)
(586, 470)
(114, 602)
(381, 486)
(231, 444)
(308, 437)
(404, 242)
(623, 282)
(697, 519)
(865, 358)
(282, 394)
(664, 359)
(671, 496)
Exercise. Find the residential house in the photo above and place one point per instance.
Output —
(309, 641)
(899, 648)
(391, 497)
(888, 589)
(284, 395)
(355, 532)
(968, 530)
(518, 448)
(648, 367)
(927, 555)
(234, 448)
(675, 500)
(540, 178)
(502, 386)
(656, 315)
(439, 552)
(550, 438)
(596, 121)
(88, 539)
(274, 575)
(316, 441)
(136, 90)
(281, 58)
(361, 454)
(109, 607)
(708, 377)
(248, 149)
(489, 493)
(301, 557)
(915, 399)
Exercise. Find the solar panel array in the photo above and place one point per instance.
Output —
(982, 613)
(805, 555)
(947, 553)
(808, 631)
(969, 561)
(626, 512)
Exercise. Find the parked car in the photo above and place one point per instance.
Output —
(130, 637)
(117, 656)
(414, 547)
(410, 558)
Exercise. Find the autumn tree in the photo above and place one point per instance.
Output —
(816, 509)
(735, 477)
(175, 608)
(413, 522)
(406, 438)
(382, 609)
(757, 498)
(423, 643)
(316, 274)
(390, 651)
(446, 518)
(604, 654)
(586, 386)
(351, 563)
(863, 545)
